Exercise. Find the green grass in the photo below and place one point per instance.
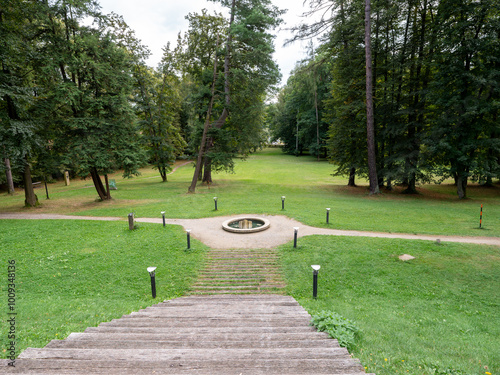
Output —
(74, 274)
(436, 314)
(257, 187)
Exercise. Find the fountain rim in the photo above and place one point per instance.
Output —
(226, 227)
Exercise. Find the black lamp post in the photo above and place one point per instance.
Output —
(163, 217)
(328, 216)
(215, 201)
(151, 271)
(283, 202)
(295, 233)
(188, 231)
(315, 280)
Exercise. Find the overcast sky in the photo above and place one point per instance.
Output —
(156, 22)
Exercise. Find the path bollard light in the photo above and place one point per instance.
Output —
(328, 216)
(131, 221)
(283, 202)
(481, 218)
(315, 280)
(188, 231)
(295, 232)
(215, 201)
(163, 217)
(151, 271)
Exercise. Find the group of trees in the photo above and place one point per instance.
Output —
(76, 93)
(435, 81)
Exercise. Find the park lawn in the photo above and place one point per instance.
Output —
(74, 274)
(256, 187)
(436, 314)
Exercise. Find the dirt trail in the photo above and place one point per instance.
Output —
(210, 232)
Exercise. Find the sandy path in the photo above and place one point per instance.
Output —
(210, 232)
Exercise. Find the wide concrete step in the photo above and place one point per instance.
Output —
(201, 343)
(200, 331)
(205, 322)
(196, 313)
(210, 292)
(216, 312)
(186, 354)
(179, 366)
(236, 288)
(254, 299)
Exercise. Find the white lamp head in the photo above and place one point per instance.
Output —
(328, 209)
(151, 271)
(295, 229)
(316, 267)
(188, 231)
(215, 198)
(163, 212)
(282, 197)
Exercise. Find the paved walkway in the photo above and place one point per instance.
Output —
(220, 335)
(210, 232)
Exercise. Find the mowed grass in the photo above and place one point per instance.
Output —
(75, 274)
(259, 182)
(436, 314)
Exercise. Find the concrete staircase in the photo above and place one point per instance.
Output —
(240, 271)
(220, 334)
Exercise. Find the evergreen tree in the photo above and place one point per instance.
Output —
(249, 71)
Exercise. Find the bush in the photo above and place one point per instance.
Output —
(338, 327)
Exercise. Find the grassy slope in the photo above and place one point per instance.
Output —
(74, 274)
(436, 314)
(257, 187)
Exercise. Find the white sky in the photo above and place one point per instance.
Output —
(157, 22)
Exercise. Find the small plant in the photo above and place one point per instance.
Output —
(336, 326)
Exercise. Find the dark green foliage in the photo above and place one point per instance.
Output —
(19, 132)
(336, 326)
(159, 106)
(464, 128)
(435, 84)
(298, 117)
(65, 92)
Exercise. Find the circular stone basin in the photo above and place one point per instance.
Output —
(247, 224)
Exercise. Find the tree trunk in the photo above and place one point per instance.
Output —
(201, 151)
(412, 185)
(207, 171)
(227, 58)
(352, 177)
(461, 186)
(31, 198)
(163, 173)
(46, 188)
(370, 121)
(98, 184)
(8, 175)
(108, 192)
(227, 68)
(461, 180)
(317, 110)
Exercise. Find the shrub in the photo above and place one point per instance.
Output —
(338, 327)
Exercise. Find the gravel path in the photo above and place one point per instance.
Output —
(210, 232)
